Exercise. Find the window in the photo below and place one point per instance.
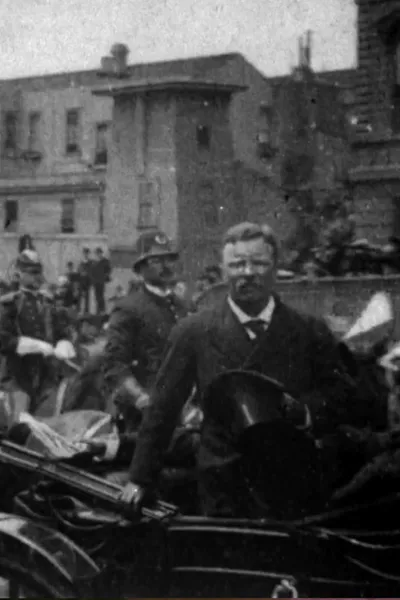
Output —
(203, 137)
(149, 201)
(101, 144)
(72, 131)
(396, 89)
(11, 216)
(101, 214)
(68, 215)
(10, 130)
(34, 132)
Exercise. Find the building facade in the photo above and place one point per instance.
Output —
(96, 157)
(375, 172)
(52, 171)
(58, 183)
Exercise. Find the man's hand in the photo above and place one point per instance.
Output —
(133, 494)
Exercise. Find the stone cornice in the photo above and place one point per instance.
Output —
(364, 140)
(19, 187)
(377, 173)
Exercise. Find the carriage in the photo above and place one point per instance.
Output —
(65, 532)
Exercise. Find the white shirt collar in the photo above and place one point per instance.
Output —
(157, 291)
(265, 315)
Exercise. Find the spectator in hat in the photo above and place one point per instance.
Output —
(25, 242)
(101, 275)
(85, 281)
(141, 321)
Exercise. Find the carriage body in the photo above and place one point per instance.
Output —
(163, 553)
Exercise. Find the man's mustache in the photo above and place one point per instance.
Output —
(248, 283)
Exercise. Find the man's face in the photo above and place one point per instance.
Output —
(249, 267)
(160, 271)
(180, 290)
(31, 279)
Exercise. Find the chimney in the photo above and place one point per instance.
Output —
(115, 65)
(307, 51)
(301, 52)
(120, 52)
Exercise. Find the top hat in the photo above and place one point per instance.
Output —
(242, 401)
(280, 461)
(153, 244)
(29, 261)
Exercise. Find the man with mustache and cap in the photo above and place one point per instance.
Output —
(32, 331)
(141, 322)
(251, 329)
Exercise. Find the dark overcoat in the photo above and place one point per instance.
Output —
(137, 333)
(297, 350)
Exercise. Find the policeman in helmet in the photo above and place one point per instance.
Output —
(141, 321)
(32, 331)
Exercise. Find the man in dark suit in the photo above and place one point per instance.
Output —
(251, 329)
(101, 275)
(142, 321)
(85, 281)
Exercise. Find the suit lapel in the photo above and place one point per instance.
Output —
(279, 333)
(230, 338)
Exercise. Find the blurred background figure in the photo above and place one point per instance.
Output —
(85, 281)
(181, 291)
(207, 278)
(135, 283)
(25, 242)
(74, 284)
(100, 276)
(4, 287)
(119, 292)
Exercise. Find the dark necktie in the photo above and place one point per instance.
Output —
(256, 326)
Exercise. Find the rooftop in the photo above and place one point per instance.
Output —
(200, 67)
(209, 67)
(340, 77)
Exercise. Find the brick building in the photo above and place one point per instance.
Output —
(184, 145)
(96, 157)
(311, 120)
(375, 174)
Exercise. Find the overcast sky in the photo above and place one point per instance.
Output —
(44, 36)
